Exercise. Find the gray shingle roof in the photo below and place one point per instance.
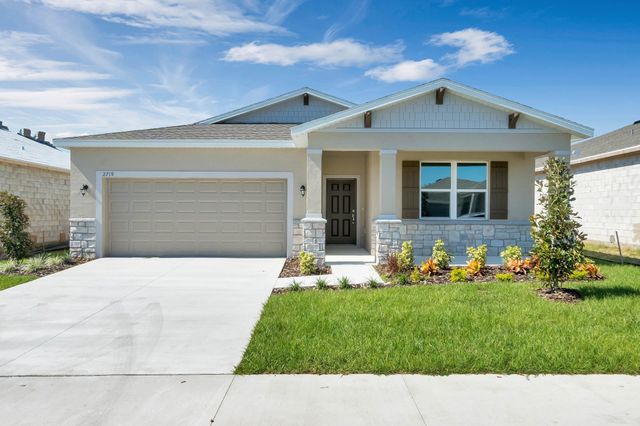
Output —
(200, 131)
(17, 148)
(622, 138)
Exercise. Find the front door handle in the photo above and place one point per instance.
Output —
(353, 217)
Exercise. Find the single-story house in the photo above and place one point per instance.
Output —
(306, 169)
(38, 172)
(606, 169)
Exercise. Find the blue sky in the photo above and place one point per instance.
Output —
(73, 67)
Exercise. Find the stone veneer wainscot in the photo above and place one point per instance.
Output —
(457, 236)
(82, 241)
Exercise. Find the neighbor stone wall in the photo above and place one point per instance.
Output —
(82, 243)
(314, 237)
(46, 193)
(457, 236)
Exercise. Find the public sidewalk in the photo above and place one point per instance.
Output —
(320, 400)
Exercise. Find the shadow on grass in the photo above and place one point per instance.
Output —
(594, 292)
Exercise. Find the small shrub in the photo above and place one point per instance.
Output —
(405, 257)
(592, 270)
(458, 275)
(440, 256)
(517, 266)
(307, 262)
(479, 254)
(67, 259)
(579, 275)
(511, 253)
(504, 277)
(9, 266)
(321, 284)
(416, 277)
(295, 286)
(14, 223)
(373, 283)
(429, 267)
(403, 279)
(35, 263)
(474, 268)
(344, 283)
(393, 265)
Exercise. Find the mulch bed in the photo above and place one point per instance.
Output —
(488, 275)
(565, 295)
(291, 269)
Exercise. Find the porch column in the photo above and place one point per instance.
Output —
(387, 226)
(387, 184)
(313, 224)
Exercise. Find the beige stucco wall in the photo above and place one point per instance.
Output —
(46, 193)
(370, 139)
(86, 161)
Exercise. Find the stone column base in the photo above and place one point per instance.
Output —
(387, 238)
(314, 238)
(82, 237)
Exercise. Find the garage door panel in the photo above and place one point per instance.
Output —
(195, 217)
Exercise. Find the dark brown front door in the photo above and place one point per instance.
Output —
(341, 211)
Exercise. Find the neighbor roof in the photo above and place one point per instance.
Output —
(576, 129)
(275, 100)
(19, 149)
(625, 140)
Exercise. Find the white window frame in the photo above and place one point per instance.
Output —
(453, 191)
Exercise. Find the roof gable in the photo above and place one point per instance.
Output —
(285, 108)
(392, 105)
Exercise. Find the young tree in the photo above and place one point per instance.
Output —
(557, 240)
(13, 226)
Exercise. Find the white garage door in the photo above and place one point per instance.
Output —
(196, 217)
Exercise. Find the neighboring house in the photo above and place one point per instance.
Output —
(306, 169)
(607, 193)
(38, 172)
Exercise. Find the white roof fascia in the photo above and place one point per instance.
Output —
(579, 130)
(175, 143)
(34, 164)
(271, 101)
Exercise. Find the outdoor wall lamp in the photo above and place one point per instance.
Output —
(83, 189)
(303, 190)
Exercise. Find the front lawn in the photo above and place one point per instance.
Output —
(7, 281)
(454, 328)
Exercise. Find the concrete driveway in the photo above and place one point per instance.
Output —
(135, 316)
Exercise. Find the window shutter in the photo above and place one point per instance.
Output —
(410, 189)
(499, 191)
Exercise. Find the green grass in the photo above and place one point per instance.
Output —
(612, 249)
(8, 281)
(457, 328)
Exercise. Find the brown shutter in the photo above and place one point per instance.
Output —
(410, 189)
(499, 191)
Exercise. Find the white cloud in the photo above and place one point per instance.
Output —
(67, 99)
(18, 62)
(343, 52)
(473, 45)
(426, 69)
(218, 17)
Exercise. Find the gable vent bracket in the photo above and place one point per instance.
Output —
(305, 99)
(513, 119)
(367, 120)
(440, 95)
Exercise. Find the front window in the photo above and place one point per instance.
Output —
(453, 190)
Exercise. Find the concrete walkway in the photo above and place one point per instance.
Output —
(135, 316)
(321, 400)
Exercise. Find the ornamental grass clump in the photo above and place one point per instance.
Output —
(321, 284)
(344, 283)
(440, 256)
(558, 242)
(14, 223)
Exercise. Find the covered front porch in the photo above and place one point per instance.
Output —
(373, 200)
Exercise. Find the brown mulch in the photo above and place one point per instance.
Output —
(291, 269)
(488, 275)
(50, 270)
(565, 295)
